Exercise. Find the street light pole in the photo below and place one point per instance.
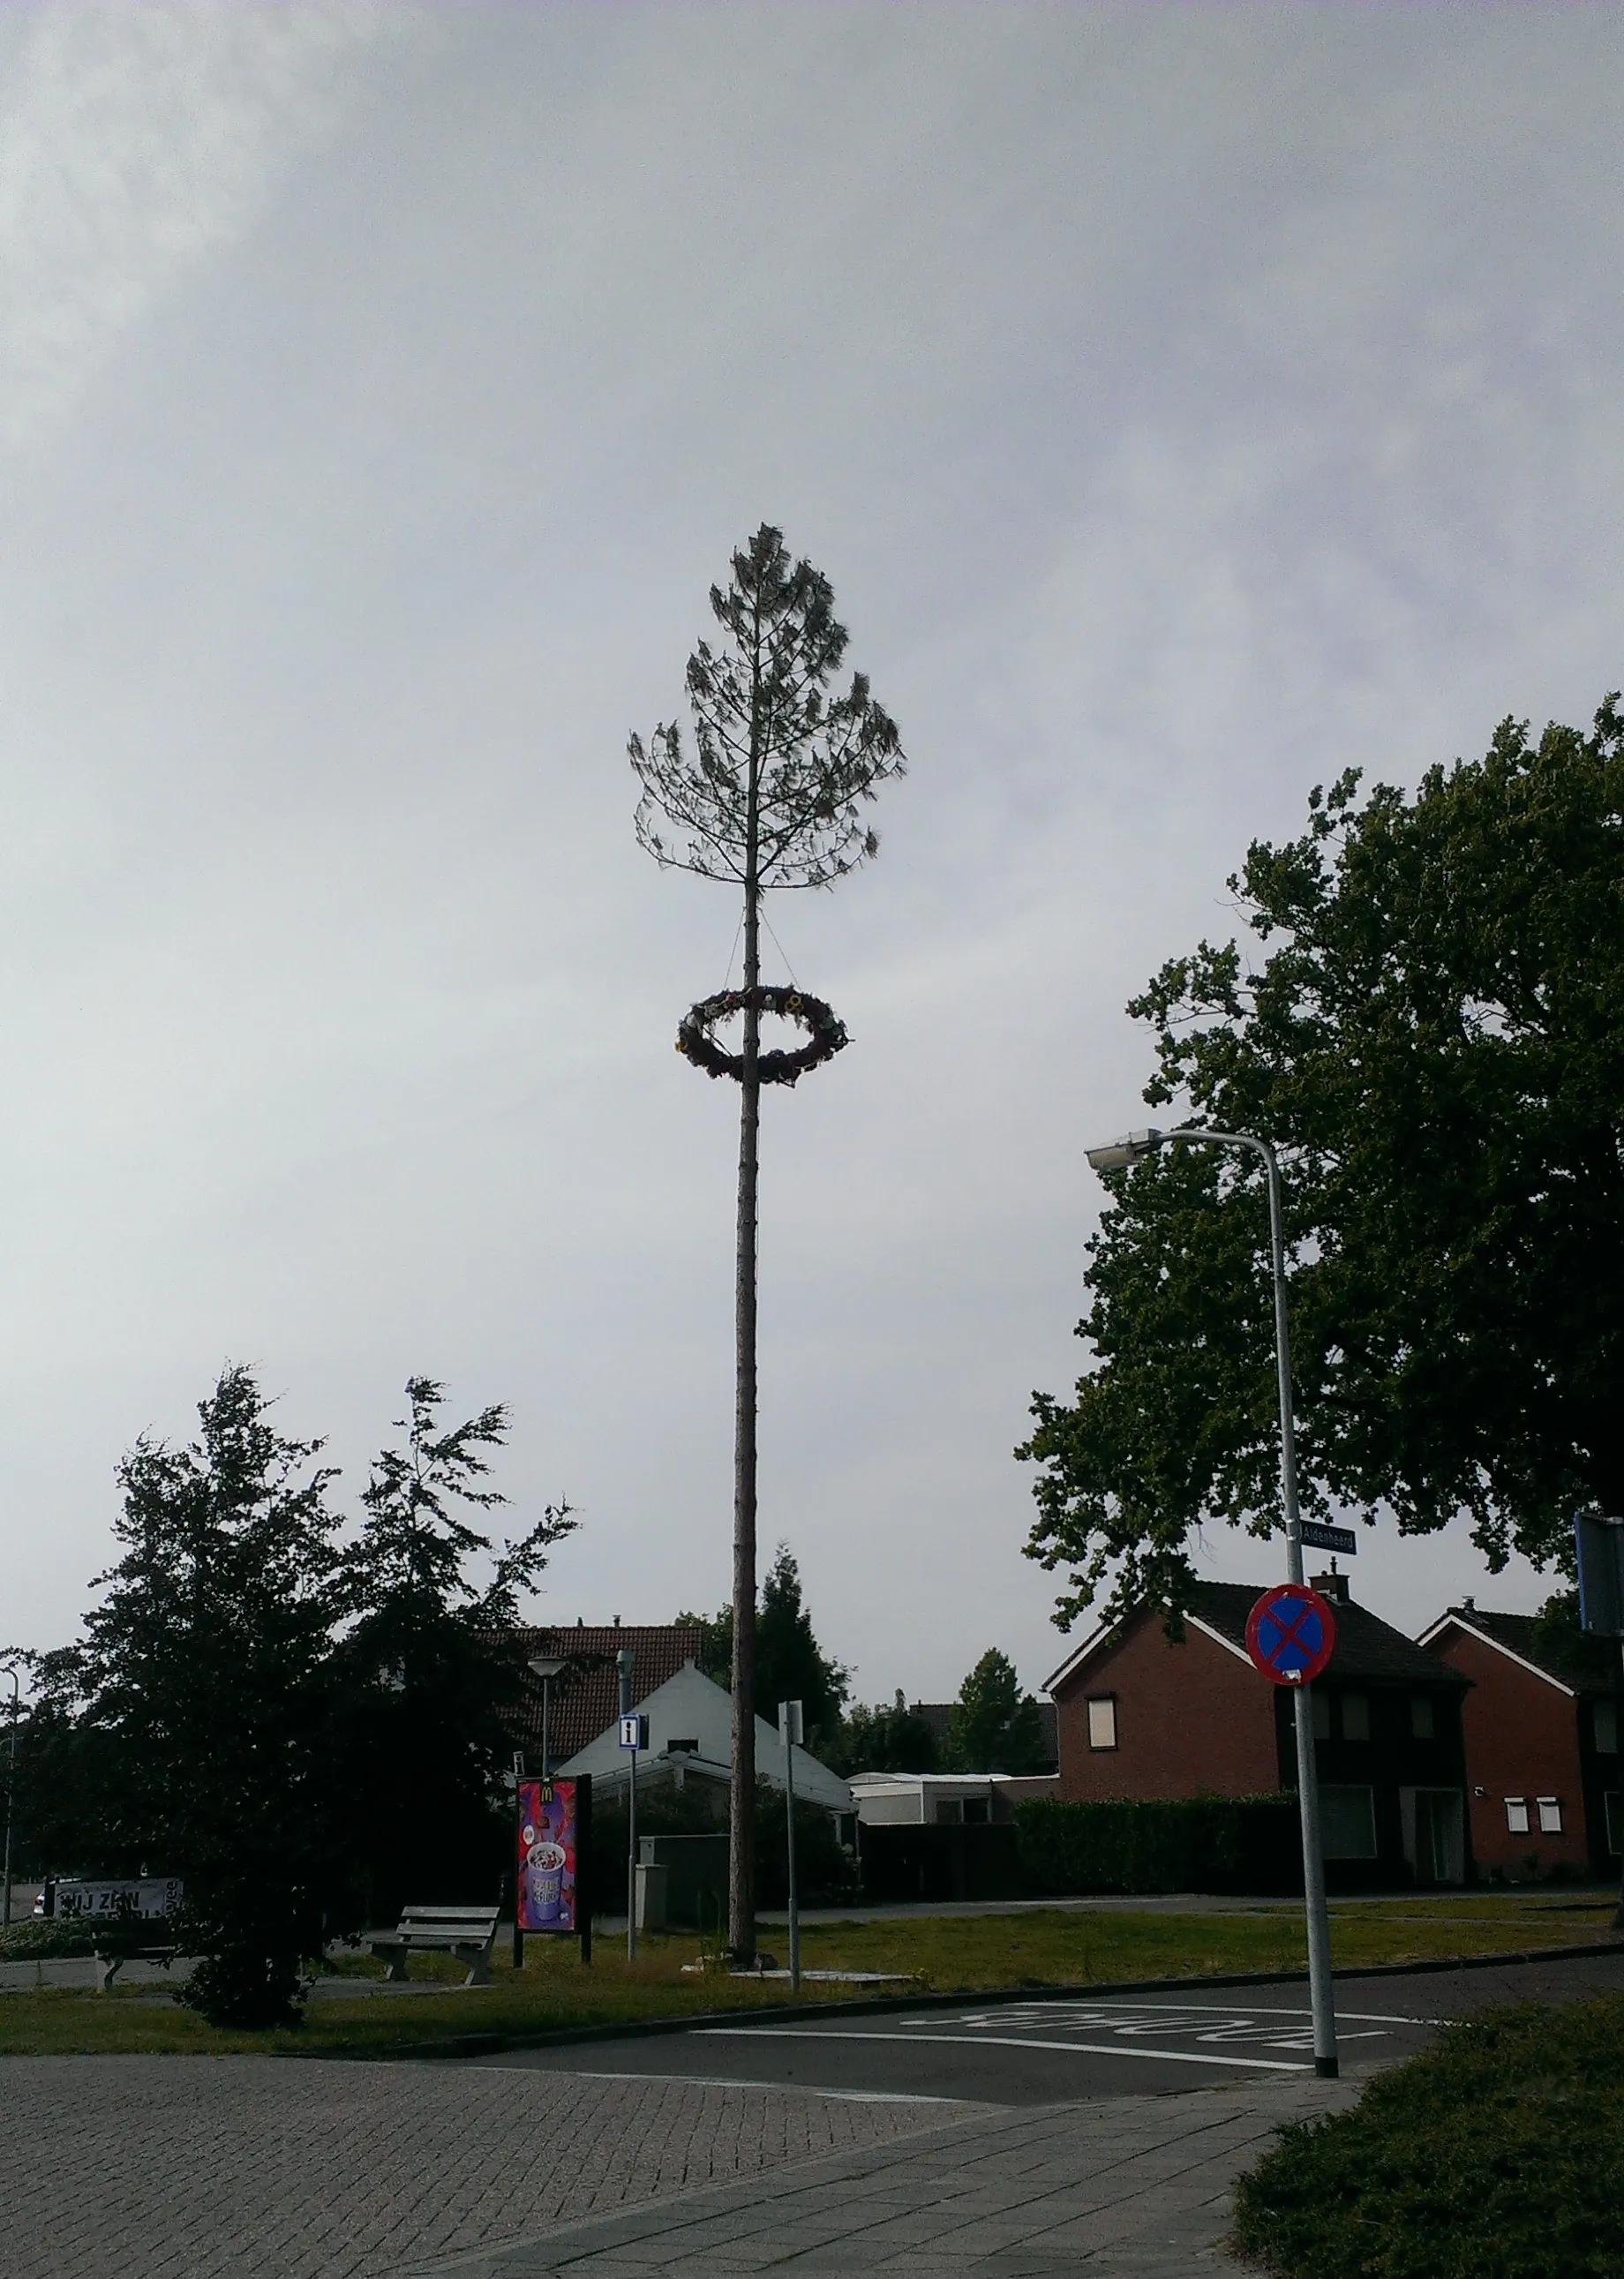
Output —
(623, 1664)
(10, 1795)
(547, 1667)
(1118, 1157)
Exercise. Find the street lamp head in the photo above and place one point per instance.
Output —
(546, 1665)
(1117, 1154)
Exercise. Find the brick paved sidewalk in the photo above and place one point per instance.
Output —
(1131, 2188)
(245, 2167)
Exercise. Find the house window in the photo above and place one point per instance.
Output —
(1347, 1823)
(1102, 1722)
(1550, 1815)
(976, 1813)
(1517, 1814)
(950, 1811)
(1356, 1716)
(1322, 1715)
(682, 1748)
(1604, 1726)
(1421, 1717)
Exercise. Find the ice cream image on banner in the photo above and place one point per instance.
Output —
(544, 1867)
(547, 1856)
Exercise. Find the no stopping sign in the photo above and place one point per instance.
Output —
(1290, 1634)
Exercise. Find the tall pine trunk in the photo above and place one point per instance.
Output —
(741, 1786)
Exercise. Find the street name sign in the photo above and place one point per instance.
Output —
(1290, 1634)
(1321, 1538)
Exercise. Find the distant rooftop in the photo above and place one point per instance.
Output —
(1590, 1665)
(584, 1697)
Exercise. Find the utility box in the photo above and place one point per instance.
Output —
(651, 1895)
(695, 1868)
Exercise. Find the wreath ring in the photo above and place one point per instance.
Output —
(826, 1033)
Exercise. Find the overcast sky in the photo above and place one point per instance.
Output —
(1185, 403)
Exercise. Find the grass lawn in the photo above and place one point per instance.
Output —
(1038, 1948)
(1498, 2154)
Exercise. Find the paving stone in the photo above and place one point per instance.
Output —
(249, 2167)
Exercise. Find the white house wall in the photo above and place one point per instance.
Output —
(692, 1708)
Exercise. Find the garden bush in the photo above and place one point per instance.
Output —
(1497, 2154)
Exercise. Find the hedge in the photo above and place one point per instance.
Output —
(1497, 2154)
(1244, 1844)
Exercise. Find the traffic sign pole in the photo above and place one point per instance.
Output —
(1116, 1157)
(1321, 1996)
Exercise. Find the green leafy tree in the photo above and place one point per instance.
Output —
(770, 796)
(204, 1694)
(993, 1727)
(1435, 1041)
(430, 1673)
(790, 1665)
(293, 1724)
(887, 1737)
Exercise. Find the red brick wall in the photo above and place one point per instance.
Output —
(1521, 1739)
(1192, 1719)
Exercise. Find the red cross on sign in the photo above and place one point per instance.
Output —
(1290, 1634)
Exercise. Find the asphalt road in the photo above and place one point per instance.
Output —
(1054, 2049)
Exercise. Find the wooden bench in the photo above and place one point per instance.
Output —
(469, 1933)
(109, 1964)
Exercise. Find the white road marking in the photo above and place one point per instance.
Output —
(1101, 2013)
(1004, 2042)
(793, 2088)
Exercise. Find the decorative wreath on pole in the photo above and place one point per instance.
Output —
(826, 1033)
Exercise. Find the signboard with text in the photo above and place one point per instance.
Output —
(141, 1897)
(547, 1869)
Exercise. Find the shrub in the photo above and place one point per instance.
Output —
(1497, 2154)
(39, 1938)
(1194, 1843)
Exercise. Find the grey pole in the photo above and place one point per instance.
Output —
(623, 1663)
(1320, 1994)
(11, 1793)
(790, 1726)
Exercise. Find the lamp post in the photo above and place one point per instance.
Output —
(1115, 1158)
(11, 1792)
(547, 1667)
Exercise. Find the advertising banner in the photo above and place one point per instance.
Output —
(548, 1863)
(140, 1897)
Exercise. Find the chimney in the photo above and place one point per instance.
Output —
(1333, 1587)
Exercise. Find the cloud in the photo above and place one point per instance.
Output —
(136, 142)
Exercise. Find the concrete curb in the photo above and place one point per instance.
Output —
(479, 2046)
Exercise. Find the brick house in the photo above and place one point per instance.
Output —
(1542, 1742)
(1139, 1715)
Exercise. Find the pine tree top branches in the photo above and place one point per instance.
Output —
(770, 794)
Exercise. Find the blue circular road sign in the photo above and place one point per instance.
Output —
(1292, 1634)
